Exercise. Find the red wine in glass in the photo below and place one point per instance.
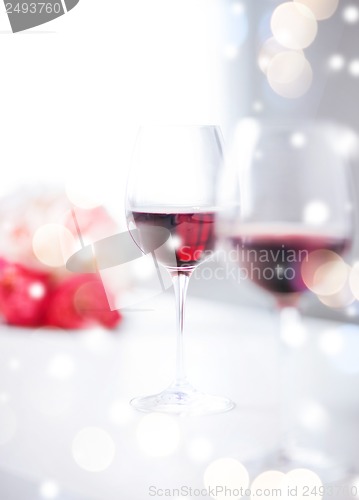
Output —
(191, 236)
(274, 262)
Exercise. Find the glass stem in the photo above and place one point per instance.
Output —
(180, 281)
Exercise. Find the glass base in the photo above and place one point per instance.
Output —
(183, 400)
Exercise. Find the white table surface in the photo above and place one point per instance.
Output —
(53, 384)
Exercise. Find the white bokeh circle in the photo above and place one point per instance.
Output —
(49, 490)
(289, 74)
(322, 9)
(305, 482)
(294, 25)
(93, 449)
(270, 48)
(268, 482)
(225, 473)
(53, 244)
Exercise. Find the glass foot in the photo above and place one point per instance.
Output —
(183, 400)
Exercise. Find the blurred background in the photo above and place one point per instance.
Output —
(75, 121)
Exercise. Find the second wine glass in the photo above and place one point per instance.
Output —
(288, 214)
(171, 213)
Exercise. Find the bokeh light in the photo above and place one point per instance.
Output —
(347, 145)
(330, 278)
(322, 9)
(294, 25)
(336, 62)
(230, 52)
(49, 489)
(53, 244)
(344, 297)
(144, 268)
(270, 483)
(158, 435)
(341, 299)
(353, 68)
(200, 449)
(61, 367)
(225, 473)
(257, 106)
(37, 290)
(298, 140)
(324, 272)
(289, 74)
(268, 51)
(350, 14)
(295, 336)
(237, 8)
(313, 416)
(93, 449)
(316, 212)
(306, 482)
(331, 342)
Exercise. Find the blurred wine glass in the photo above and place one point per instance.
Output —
(171, 214)
(287, 212)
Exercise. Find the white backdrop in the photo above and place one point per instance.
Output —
(74, 91)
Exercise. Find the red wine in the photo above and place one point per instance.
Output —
(191, 236)
(274, 262)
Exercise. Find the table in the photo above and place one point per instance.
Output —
(68, 432)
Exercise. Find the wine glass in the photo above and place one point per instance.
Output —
(171, 213)
(287, 212)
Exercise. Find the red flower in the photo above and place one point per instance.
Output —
(24, 294)
(33, 293)
(80, 301)
(31, 298)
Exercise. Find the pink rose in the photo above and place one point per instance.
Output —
(24, 294)
(38, 232)
(80, 301)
